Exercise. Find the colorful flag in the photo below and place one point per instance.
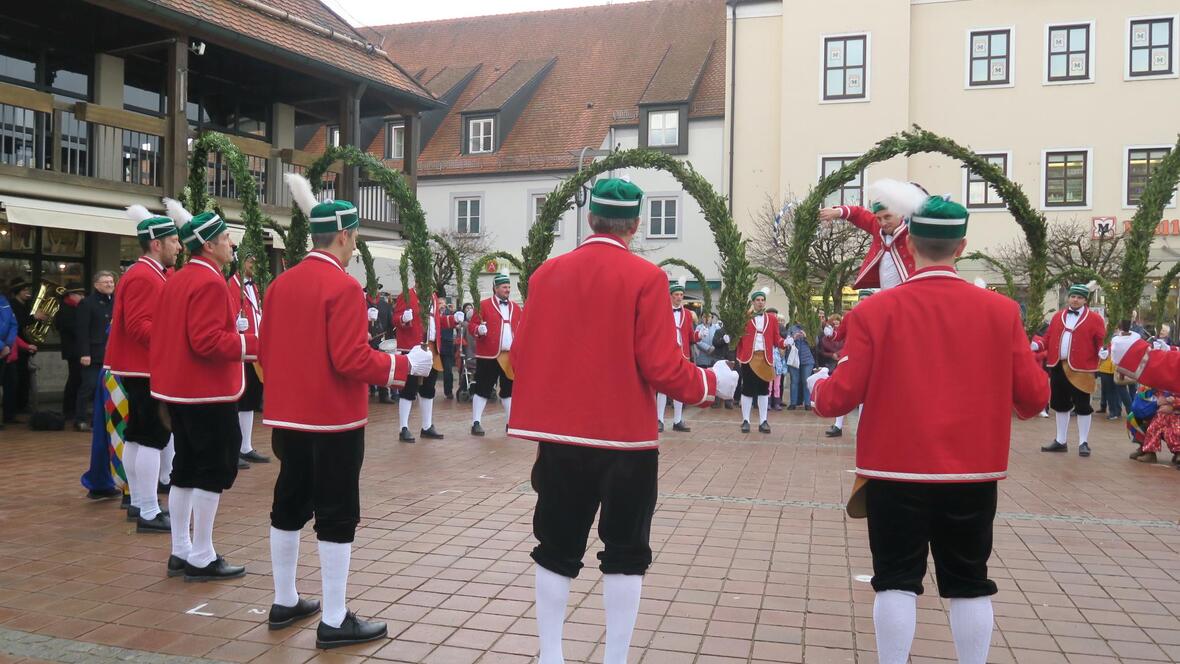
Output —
(116, 419)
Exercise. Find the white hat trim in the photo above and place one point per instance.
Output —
(150, 231)
(338, 217)
(197, 231)
(938, 222)
(611, 201)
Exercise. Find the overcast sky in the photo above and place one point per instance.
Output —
(382, 12)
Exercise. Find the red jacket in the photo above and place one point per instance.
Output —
(939, 365)
(197, 351)
(591, 379)
(870, 275)
(413, 333)
(488, 346)
(1087, 339)
(745, 349)
(1159, 369)
(687, 335)
(315, 350)
(246, 301)
(136, 299)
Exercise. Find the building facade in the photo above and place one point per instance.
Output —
(1069, 97)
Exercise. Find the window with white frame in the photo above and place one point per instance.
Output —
(980, 194)
(334, 136)
(536, 203)
(1066, 177)
(663, 128)
(467, 215)
(1070, 48)
(1152, 47)
(990, 57)
(1141, 164)
(479, 135)
(395, 140)
(662, 220)
(852, 193)
(845, 67)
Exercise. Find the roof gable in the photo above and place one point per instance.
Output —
(512, 82)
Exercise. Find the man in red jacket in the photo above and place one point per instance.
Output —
(755, 354)
(245, 296)
(889, 261)
(685, 338)
(147, 446)
(493, 327)
(928, 464)
(410, 333)
(590, 411)
(1073, 346)
(318, 366)
(197, 352)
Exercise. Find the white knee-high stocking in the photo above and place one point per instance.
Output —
(763, 407)
(507, 403)
(1084, 428)
(553, 592)
(204, 514)
(404, 406)
(895, 617)
(677, 412)
(284, 558)
(747, 404)
(147, 473)
(180, 512)
(166, 457)
(1062, 426)
(130, 452)
(334, 560)
(246, 424)
(427, 413)
(661, 406)
(620, 595)
(971, 628)
(478, 403)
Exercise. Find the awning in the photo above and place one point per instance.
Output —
(392, 252)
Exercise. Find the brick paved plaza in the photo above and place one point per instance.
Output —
(755, 560)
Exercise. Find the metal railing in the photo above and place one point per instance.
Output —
(374, 205)
(220, 180)
(24, 137)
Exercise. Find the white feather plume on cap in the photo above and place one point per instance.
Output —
(138, 213)
(177, 212)
(900, 198)
(683, 281)
(1092, 286)
(301, 191)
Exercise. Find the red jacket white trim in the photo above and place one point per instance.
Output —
(870, 274)
(413, 333)
(936, 408)
(688, 335)
(245, 299)
(197, 351)
(770, 337)
(1159, 369)
(488, 346)
(591, 379)
(136, 299)
(1088, 335)
(315, 350)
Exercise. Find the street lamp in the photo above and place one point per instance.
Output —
(583, 190)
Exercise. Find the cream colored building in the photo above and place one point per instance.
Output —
(1076, 97)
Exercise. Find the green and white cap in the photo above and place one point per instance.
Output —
(502, 277)
(333, 216)
(151, 226)
(615, 198)
(677, 286)
(762, 290)
(1085, 290)
(939, 218)
(201, 229)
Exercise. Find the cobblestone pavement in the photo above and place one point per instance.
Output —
(755, 560)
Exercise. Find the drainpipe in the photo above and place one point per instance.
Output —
(732, 96)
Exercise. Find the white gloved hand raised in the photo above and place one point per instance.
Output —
(1103, 353)
(725, 338)
(1034, 346)
(816, 377)
(421, 361)
(243, 324)
(372, 313)
(407, 315)
(460, 317)
(1120, 345)
(727, 379)
(482, 330)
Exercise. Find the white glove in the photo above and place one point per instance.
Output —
(407, 315)
(372, 313)
(243, 324)
(1103, 353)
(725, 338)
(1120, 345)
(1034, 346)
(421, 361)
(482, 330)
(727, 379)
(459, 317)
(815, 378)
(790, 341)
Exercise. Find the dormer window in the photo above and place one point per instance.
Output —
(395, 140)
(663, 129)
(481, 135)
(333, 137)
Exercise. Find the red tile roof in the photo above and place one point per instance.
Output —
(606, 57)
(257, 24)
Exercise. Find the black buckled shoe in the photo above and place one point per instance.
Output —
(476, 429)
(103, 494)
(834, 432)
(745, 426)
(255, 457)
(431, 433)
(242, 464)
(1084, 450)
(175, 565)
(1055, 447)
(218, 569)
(132, 512)
(353, 630)
(160, 524)
(405, 436)
(285, 616)
(681, 427)
(764, 427)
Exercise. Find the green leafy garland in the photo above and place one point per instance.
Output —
(253, 219)
(737, 276)
(371, 286)
(832, 291)
(1161, 293)
(1009, 278)
(914, 141)
(456, 265)
(706, 292)
(768, 274)
(1156, 195)
(473, 277)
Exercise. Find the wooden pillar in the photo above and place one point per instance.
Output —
(176, 140)
(348, 184)
(413, 139)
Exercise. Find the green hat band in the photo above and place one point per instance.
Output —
(501, 279)
(756, 294)
(1080, 289)
(614, 198)
(939, 219)
(675, 288)
(877, 207)
(333, 216)
(155, 228)
(201, 229)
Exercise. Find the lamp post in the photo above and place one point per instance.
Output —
(593, 152)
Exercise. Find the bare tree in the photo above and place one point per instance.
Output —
(469, 248)
(1071, 247)
(831, 249)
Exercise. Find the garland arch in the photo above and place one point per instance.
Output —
(737, 277)
(832, 291)
(1159, 306)
(706, 292)
(909, 142)
(473, 276)
(1009, 278)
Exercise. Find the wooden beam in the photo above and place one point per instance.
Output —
(15, 95)
(306, 159)
(113, 117)
(251, 146)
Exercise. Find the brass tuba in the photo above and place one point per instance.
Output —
(48, 301)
